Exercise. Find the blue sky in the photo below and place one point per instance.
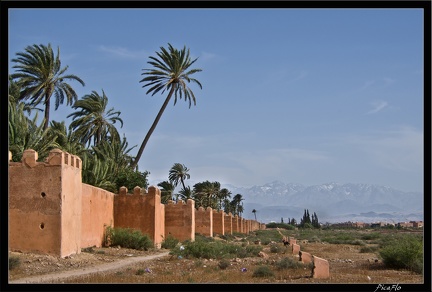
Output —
(305, 96)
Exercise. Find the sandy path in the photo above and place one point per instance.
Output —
(85, 271)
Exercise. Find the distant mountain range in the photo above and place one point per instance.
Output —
(332, 202)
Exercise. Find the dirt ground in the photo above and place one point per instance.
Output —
(122, 265)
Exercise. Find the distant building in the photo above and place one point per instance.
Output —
(417, 224)
(405, 224)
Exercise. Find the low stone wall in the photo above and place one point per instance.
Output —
(321, 268)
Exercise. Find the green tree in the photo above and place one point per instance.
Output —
(178, 173)
(222, 195)
(186, 193)
(24, 133)
(205, 193)
(167, 191)
(254, 212)
(93, 121)
(66, 139)
(41, 76)
(236, 203)
(171, 71)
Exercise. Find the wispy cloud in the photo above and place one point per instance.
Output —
(377, 106)
(367, 84)
(207, 56)
(398, 150)
(121, 52)
(388, 81)
(300, 76)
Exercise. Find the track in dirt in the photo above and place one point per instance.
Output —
(85, 271)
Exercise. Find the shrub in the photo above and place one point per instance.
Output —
(223, 264)
(368, 249)
(169, 242)
(214, 250)
(263, 271)
(405, 253)
(128, 238)
(288, 263)
(274, 248)
(14, 262)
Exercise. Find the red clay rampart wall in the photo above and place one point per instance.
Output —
(141, 211)
(204, 221)
(235, 224)
(218, 222)
(52, 212)
(97, 214)
(45, 204)
(180, 220)
(228, 223)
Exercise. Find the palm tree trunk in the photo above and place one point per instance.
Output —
(47, 110)
(147, 137)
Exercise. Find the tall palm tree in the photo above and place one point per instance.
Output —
(93, 120)
(222, 195)
(41, 76)
(254, 211)
(236, 201)
(170, 72)
(178, 173)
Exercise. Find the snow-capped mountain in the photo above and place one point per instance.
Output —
(332, 202)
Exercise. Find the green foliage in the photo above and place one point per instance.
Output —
(169, 242)
(404, 253)
(130, 179)
(274, 248)
(128, 238)
(263, 271)
(288, 263)
(307, 222)
(266, 236)
(14, 262)
(280, 225)
(371, 236)
(369, 249)
(223, 264)
(214, 250)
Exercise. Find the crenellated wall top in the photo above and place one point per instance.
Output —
(55, 157)
(138, 191)
(201, 209)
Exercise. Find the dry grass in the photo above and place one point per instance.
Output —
(348, 265)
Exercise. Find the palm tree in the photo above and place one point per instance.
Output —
(14, 97)
(171, 72)
(93, 120)
(40, 75)
(206, 193)
(178, 173)
(167, 190)
(186, 193)
(236, 201)
(254, 211)
(222, 195)
(67, 140)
